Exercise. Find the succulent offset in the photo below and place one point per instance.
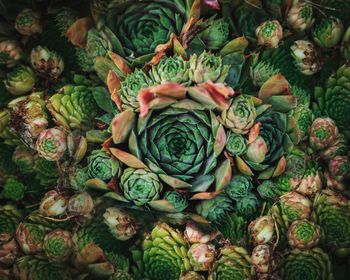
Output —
(181, 140)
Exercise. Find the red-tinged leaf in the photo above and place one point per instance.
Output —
(117, 101)
(161, 51)
(161, 102)
(77, 32)
(171, 89)
(254, 132)
(174, 182)
(220, 140)
(223, 175)
(120, 62)
(113, 82)
(204, 195)
(195, 11)
(280, 168)
(145, 96)
(128, 159)
(243, 167)
(91, 253)
(219, 93)
(107, 144)
(214, 4)
(122, 125)
(275, 85)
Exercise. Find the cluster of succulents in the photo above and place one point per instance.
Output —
(180, 140)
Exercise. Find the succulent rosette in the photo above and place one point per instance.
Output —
(332, 215)
(299, 121)
(177, 200)
(261, 71)
(46, 63)
(165, 253)
(171, 69)
(239, 187)
(328, 32)
(240, 116)
(300, 16)
(180, 143)
(141, 27)
(234, 262)
(121, 225)
(248, 206)
(140, 186)
(58, 245)
(261, 259)
(20, 81)
(13, 190)
(24, 159)
(266, 154)
(312, 181)
(236, 144)
(333, 101)
(30, 237)
(306, 57)
(207, 66)
(103, 166)
(9, 220)
(130, 87)
(51, 144)
(314, 262)
(10, 53)
(215, 209)
(28, 22)
(215, 35)
(303, 234)
(339, 168)
(9, 250)
(269, 33)
(323, 133)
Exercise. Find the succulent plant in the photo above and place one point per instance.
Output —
(9, 250)
(247, 206)
(262, 230)
(51, 144)
(192, 275)
(120, 224)
(233, 263)
(313, 262)
(261, 259)
(130, 87)
(46, 63)
(177, 200)
(300, 16)
(9, 220)
(333, 101)
(81, 204)
(13, 190)
(165, 253)
(10, 53)
(240, 116)
(102, 166)
(74, 107)
(58, 245)
(195, 234)
(332, 215)
(269, 33)
(236, 144)
(20, 81)
(323, 133)
(328, 32)
(140, 186)
(28, 117)
(306, 57)
(239, 187)
(53, 204)
(171, 69)
(24, 159)
(28, 22)
(303, 234)
(159, 19)
(207, 66)
(215, 209)
(201, 256)
(30, 237)
(216, 34)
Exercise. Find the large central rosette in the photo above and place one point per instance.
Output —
(143, 25)
(179, 142)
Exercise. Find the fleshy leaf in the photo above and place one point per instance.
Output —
(128, 159)
(223, 175)
(122, 125)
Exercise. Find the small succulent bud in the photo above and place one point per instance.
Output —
(261, 258)
(194, 234)
(300, 16)
(120, 224)
(201, 256)
(20, 81)
(81, 204)
(269, 33)
(10, 53)
(46, 63)
(306, 58)
(53, 204)
(58, 245)
(28, 22)
(51, 144)
(262, 229)
(328, 32)
(8, 250)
